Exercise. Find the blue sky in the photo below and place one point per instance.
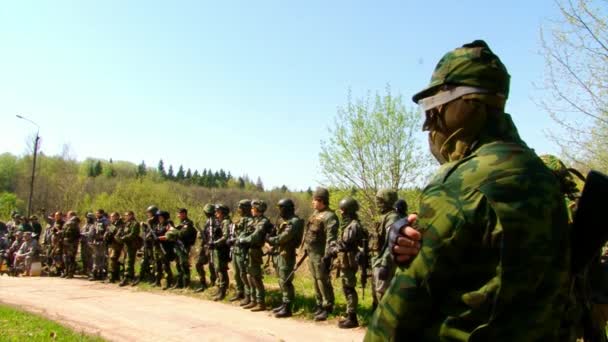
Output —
(247, 86)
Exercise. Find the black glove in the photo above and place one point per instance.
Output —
(393, 235)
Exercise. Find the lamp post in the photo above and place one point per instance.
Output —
(29, 202)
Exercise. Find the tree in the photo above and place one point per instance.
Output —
(141, 169)
(373, 145)
(181, 175)
(259, 185)
(97, 168)
(189, 174)
(170, 174)
(161, 169)
(108, 169)
(575, 49)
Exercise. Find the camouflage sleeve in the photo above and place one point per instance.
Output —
(288, 234)
(225, 232)
(331, 227)
(132, 234)
(259, 234)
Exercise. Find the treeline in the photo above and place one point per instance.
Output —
(66, 184)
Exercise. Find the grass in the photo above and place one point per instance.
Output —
(17, 325)
(304, 303)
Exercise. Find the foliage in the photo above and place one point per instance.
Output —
(373, 145)
(8, 203)
(575, 48)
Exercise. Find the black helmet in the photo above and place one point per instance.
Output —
(245, 204)
(164, 214)
(152, 209)
(401, 207)
(285, 202)
(349, 205)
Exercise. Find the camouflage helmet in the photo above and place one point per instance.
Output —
(259, 205)
(388, 196)
(285, 203)
(321, 193)
(209, 209)
(223, 208)
(473, 66)
(90, 215)
(245, 204)
(152, 209)
(349, 205)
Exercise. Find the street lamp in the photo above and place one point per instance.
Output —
(29, 202)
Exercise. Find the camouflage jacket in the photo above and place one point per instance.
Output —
(261, 226)
(187, 232)
(71, 231)
(383, 258)
(321, 231)
(240, 231)
(130, 233)
(494, 263)
(289, 236)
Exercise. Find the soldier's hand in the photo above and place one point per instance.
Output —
(407, 243)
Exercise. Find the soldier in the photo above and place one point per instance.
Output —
(349, 246)
(382, 265)
(57, 244)
(25, 225)
(14, 248)
(494, 263)
(239, 258)
(85, 249)
(163, 250)
(146, 270)
(220, 248)
(113, 240)
(259, 228)
(288, 239)
(132, 242)
(96, 240)
(36, 227)
(183, 236)
(321, 231)
(13, 225)
(3, 230)
(71, 236)
(205, 256)
(26, 253)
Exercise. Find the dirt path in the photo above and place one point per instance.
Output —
(126, 314)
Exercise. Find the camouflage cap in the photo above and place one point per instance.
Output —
(389, 196)
(473, 65)
(259, 205)
(209, 208)
(321, 193)
(244, 203)
(222, 207)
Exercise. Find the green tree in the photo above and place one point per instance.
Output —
(8, 172)
(575, 48)
(8, 203)
(108, 169)
(161, 169)
(141, 169)
(170, 174)
(181, 175)
(97, 168)
(373, 145)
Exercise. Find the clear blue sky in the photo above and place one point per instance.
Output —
(247, 86)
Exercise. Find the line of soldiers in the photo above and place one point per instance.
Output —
(103, 240)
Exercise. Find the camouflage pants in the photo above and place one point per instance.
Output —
(69, 257)
(86, 256)
(57, 256)
(99, 257)
(220, 263)
(131, 253)
(115, 252)
(239, 270)
(183, 266)
(203, 259)
(285, 267)
(379, 286)
(324, 291)
(349, 283)
(146, 261)
(255, 275)
(23, 262)
(163, 264)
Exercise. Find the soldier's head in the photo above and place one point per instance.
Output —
(114, 216)
(349, 207)
(27, 236)
(400, 207)
(286, 208)
(90, 217)
(34, 219)
(320, 198)
(71, 214)
(258, 207)
(468, 90)
(100, 213)
(14, 213)
(209, 210)
(221, 211)
(182, 213)
(163, 216)
(18, 235)
(244, 208)
(385, 198)
(130, 215)
(17, 219)
(58, 216)
(151, 211)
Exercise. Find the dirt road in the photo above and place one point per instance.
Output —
(126, 314)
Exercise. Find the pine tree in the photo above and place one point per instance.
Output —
(141, 169)
(170, 174)
(161, 169)
(180, 174)
(97, 169)
(259, 185)
(189, 174)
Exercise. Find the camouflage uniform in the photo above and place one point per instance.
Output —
(71, 236)
(132, 242)
(146, 270)
(288, 239)
(183, 236)
(85, 249)
(57, 246)
(221, 254)
(321, 231)
(495, 256)
(113, 240)
(26, 253)
(205, 252)
(96, 240)
(239, 257)
(163, 255)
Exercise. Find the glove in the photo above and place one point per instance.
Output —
(383, 273)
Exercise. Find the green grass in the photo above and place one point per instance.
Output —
(17, 325)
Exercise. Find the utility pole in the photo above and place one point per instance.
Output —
(29, 202)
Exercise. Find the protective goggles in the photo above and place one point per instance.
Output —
(445, 96)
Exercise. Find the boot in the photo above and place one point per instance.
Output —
(322, 316)
(136, 281)
(285, 312)
(245, 301)
(237, 296)
(124, 282)
(221, 294)
(187, 283)
(251, 304)
(113, 277)
(168, 284)
(179, 284)
(156, 282)
(260, 307)
(318, 310)
(278, 308)
(92, 277)
(349, 322)
(201, 288)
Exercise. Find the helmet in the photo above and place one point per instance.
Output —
(209, 209)
(474, 67)
(245, 204)
(285, 202)
(259, 205)
(349, 205)
(164, 214)
(321, 193)
(387, 196)
(90, 215)
(223, 208)
(152, 209)
(401, 207)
